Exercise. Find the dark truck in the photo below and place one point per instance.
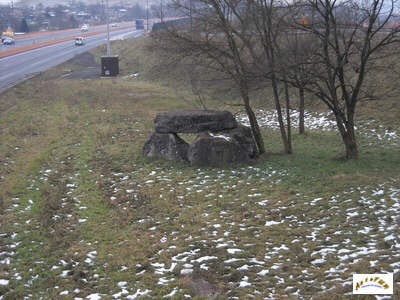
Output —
(139, 24)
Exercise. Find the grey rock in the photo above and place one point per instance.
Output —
(209, 150)
(167, 146)
(202, 287)
(243, 136)
(194, 121)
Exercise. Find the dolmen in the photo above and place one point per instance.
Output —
(220, 140)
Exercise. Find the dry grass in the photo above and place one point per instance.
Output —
(85, 212)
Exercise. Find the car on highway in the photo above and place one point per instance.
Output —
(79, 41)
(84, 28)
(8, 41)
(114, 25)
(9, 33)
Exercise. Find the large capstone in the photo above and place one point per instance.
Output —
(208, 150)
(167, 146)
(243, 136)
(194, 121)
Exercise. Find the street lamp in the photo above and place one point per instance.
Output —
(147, 16)
(108, 30)
(161, 12)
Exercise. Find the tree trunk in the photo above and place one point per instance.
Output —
(286, 148)
(351, 147)
(346, 129)
(288, 124)
(255, 129)
(301, 111)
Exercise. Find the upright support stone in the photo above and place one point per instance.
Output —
(168, 146)
(244, 137)
(207, 150)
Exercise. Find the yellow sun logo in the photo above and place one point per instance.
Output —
(372, 282)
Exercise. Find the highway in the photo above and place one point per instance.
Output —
(18, 67)
(37, 37)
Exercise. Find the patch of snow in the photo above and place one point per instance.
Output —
(318, 261)
(4, 282)
(186, 271)
(221, 136)
(172, 293)
(270, 223)
(95, 296)
(204, 258)
(138, 293)
(389, 238)
(263, 272)
(244, 282)
(232, 260)
(233, 251)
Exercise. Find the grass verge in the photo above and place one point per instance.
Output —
(85, 215)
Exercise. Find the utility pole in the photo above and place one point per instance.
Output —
(11, 22)
(161, 12)
(102, 12)
(190, 13)
(108, 29)
(147, 16)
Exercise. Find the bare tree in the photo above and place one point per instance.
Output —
(212, 42)
(257, 42)
(260, 25)
(270, 23)
(296, 61)
(351, 35)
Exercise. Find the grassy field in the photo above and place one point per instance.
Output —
(85, 216)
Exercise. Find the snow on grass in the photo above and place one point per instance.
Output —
(173, 292)
(233, 251)
(186, 271)
(242, 235)
(164, 281)
(138, 293)
(271, 223)
(4, 282)
(312, 121)
(324, 121)
(329, 240)
(204, 258)
(159, 268)
(95, 296)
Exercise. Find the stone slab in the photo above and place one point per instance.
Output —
(194, 121)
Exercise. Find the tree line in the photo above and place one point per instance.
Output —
(330, 50)
(24, 18)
